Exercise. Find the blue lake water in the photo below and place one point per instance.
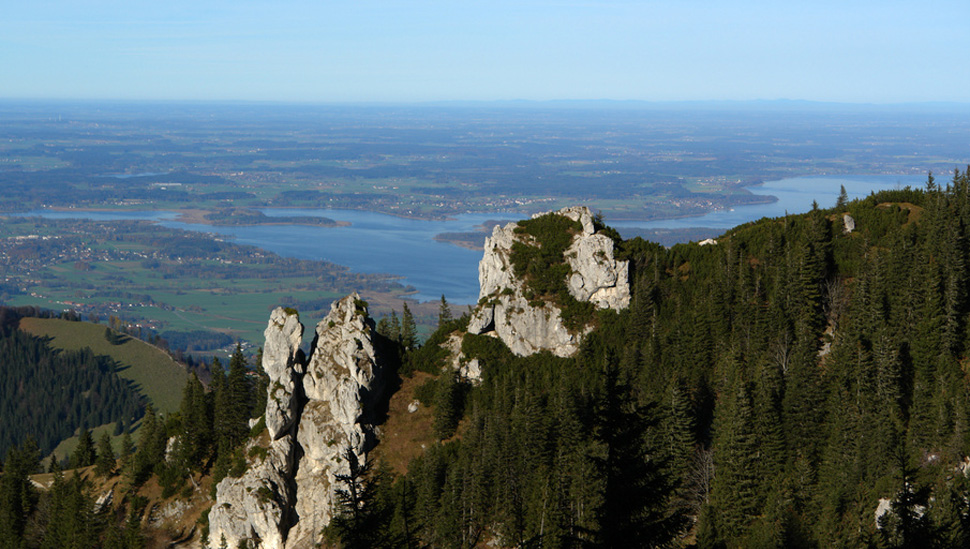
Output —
(380, 243)
(794, 196)
(376, 243)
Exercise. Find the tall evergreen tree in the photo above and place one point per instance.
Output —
(633, 512)
(195, 438)
(444, 312)
(222, 408)
(106, 456)
(18, 498)
(364, 515)
(151, 447)
(127, 452)
(72, 520)
(409, 330)
(736, 491)
(84, 454)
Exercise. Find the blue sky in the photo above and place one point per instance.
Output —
(425, 50)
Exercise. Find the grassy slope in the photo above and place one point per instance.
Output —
(405, 435)
(67, 446)
(153, 372)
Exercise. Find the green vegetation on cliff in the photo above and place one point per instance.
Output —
(769, 389)
(540, 263)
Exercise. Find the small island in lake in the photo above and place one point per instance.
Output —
(249, 216)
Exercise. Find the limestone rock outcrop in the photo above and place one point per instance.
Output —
(595, 276)
(283, 363)
(317, 410)
(341, 382)
(256, 505)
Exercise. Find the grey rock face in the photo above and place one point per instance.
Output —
(340, 383)
(316, 411)
(282, 362)
(256, 505)
(848, 223)
(596, 277)
(468, 370)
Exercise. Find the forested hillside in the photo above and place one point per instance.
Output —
(50, 394)
(768, 390)
(796, 384)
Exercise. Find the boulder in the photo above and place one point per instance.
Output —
(848, 223)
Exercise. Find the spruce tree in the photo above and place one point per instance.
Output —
(409, 332)
(196, 433)
(72, 520)
(106, 456)
(151, 447)
(84, 454)
(222, 408)
(635, 491)
(444, 312)
(842, 200)
(364, 514)
(127, 452)
(18, 498)
(735, 491)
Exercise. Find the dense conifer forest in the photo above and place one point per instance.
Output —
(210, 426)
(50, 394)
(765, 391)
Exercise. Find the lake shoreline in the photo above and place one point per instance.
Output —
(377, 242)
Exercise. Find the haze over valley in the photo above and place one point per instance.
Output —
(219, 166)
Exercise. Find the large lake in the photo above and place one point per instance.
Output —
(379, 243)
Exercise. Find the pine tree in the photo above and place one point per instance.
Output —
(196, 433)
(906, 525)
(735, 491)
(390, 327)
(232, 401)
(127, 451)
(842, 201)
(448, 405)
(222, 409)
(151, 447)
(240, 389)
(678, 428)
(72, 521)
(18, 498)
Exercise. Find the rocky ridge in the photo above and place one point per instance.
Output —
(595, 276)
(318, 409)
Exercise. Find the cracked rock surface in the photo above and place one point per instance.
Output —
(317, 410)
